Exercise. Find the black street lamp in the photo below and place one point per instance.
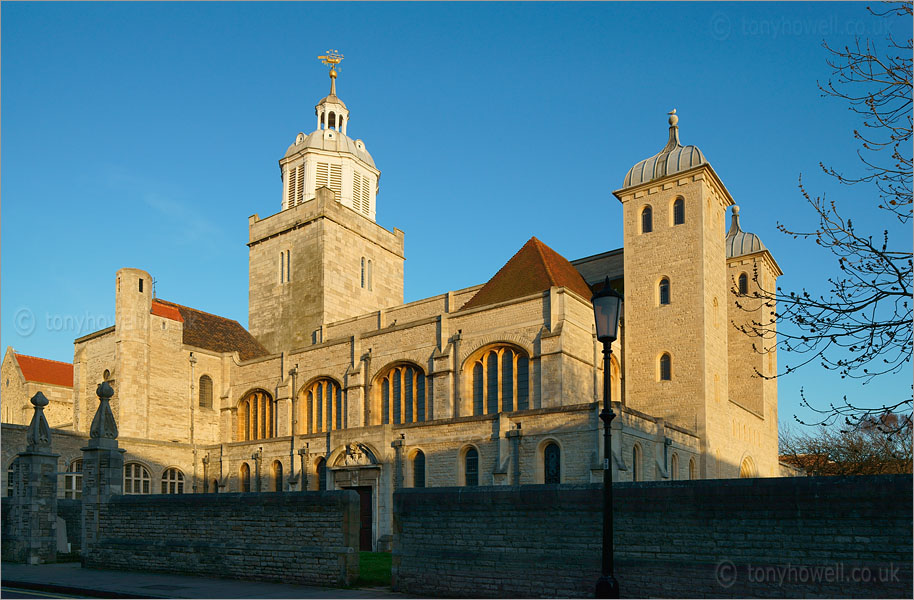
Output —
(606, 306)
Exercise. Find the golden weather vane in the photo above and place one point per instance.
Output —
(332, 58)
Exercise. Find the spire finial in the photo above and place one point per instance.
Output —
(673, 142)
(734, 222)
(332, 59)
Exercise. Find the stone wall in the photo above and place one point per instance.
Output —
(71, 513)
(785, 537)
(304, 537)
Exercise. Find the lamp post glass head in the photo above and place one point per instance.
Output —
(606, 307)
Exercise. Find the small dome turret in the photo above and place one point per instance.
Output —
(674, 158)
(739, 242)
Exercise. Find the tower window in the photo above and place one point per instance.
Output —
(664, 291)
(141, 285)
(369, 275)
(666, 368)
(743, 284)
(285, 266)
(647, 220)
(363, 272)
(679, 211)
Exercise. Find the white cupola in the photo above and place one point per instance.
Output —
(327, 157)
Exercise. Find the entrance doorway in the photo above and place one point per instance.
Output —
(365, 512)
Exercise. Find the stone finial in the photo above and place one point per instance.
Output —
(103, 425)
(673, 118)
(39, 434)
(734, 222)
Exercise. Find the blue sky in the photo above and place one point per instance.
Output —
(143, 135)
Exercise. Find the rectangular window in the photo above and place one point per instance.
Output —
(288, 265)
(282, 267)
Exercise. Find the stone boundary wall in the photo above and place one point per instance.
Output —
(296, 537)
(771, 537)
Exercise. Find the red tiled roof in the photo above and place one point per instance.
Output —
(43, 370)
(164, 310)
(212, 332)
(535, 268)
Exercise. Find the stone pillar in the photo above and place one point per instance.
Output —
(304, 453)
(397, 445)
(32, 537)
(514, 436)
(257, 457)
(103, 469)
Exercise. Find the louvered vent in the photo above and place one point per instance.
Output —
(321, 179)
(356, 190)
(336, 180)
(366, 183)
(300, 195)
(290, 184)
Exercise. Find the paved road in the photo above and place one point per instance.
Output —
(70, 580)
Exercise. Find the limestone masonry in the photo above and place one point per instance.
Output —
(337, 384)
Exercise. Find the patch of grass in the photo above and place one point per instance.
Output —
(374, 568)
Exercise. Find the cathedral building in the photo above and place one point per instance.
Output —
(337, 383)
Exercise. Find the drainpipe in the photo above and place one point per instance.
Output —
(293, 429)
(193, 406)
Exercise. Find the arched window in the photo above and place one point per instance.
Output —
(743, 284)
(363, 272)
(747, 468)
(552, 463)
(136, 479)
(647, 220)
(693, 473)
(636, 463)
(679, 211)
(666, 367)
(500, 381)
(403, 395)
(322, 474)
(215, 488)
(277, 476)
(255, 416)
(419, 469)
(206, 392)
(323, 405)
(471, 467)
(674, 467)
(172, 482)
(369, 275)
(664, 290)
(73, 480)
(245, 477)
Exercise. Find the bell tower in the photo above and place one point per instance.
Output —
(329, 158)
(673, 206)
(322, 258)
